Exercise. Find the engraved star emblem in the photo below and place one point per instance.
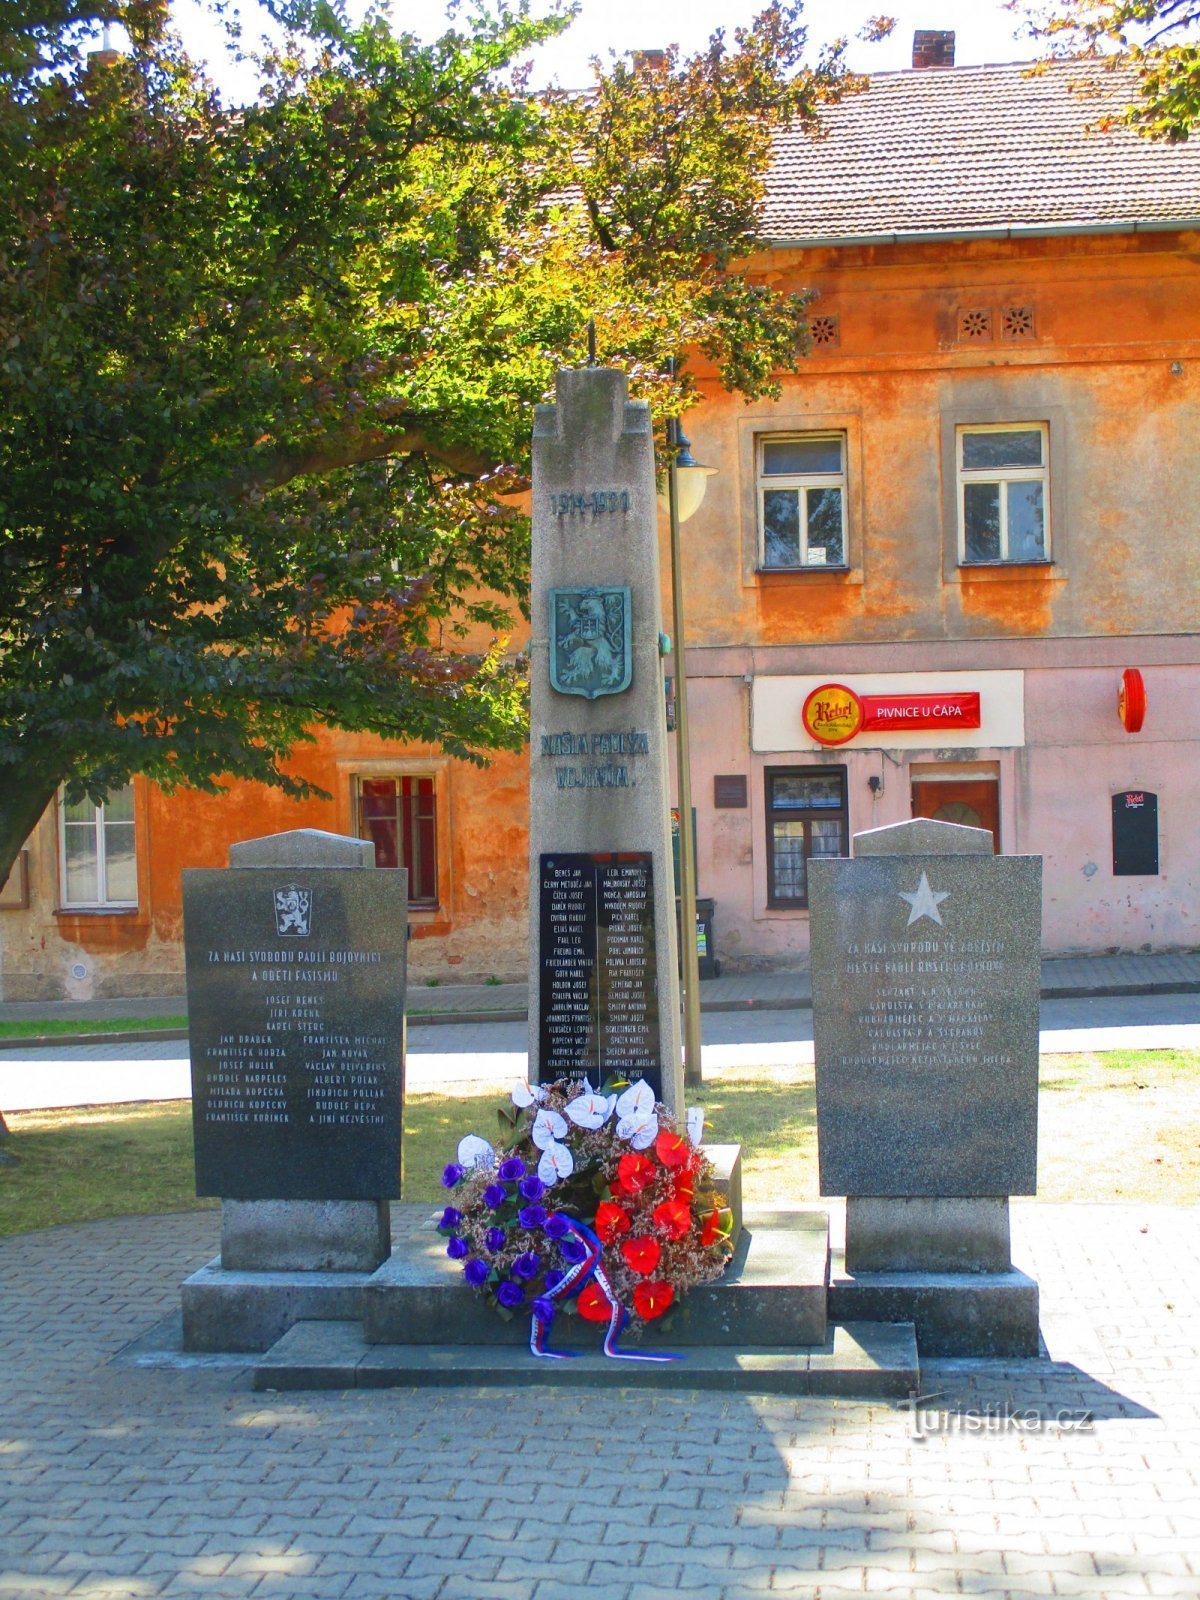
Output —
(924, 902)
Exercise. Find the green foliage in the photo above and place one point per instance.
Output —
(268, 370)
(1160, 38)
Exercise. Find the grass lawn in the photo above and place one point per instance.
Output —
(1118, 1126)
(37, 1027)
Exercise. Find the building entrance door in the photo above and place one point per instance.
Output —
(973, 801)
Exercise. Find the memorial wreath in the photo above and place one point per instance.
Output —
(594, 1197)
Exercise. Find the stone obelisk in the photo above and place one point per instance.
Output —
(603, 974)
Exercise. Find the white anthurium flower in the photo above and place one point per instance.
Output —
(527, 1094)
(638, 1097)
(695, 1124)
(589, 1110)
(587, 1087)
(548, 1126)
(556, 1163)
(639, 1128)
(475, 1153)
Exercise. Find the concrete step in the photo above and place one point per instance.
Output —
(865, 1360)
(981, 1314)
(772, 1294)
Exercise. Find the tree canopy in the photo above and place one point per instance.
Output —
(268, 369)
(1161, 38)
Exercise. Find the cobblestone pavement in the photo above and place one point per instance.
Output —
(118, 1481)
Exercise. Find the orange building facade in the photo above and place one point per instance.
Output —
(972, 515)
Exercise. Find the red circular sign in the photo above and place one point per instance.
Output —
(832, 714)
(1131, 700)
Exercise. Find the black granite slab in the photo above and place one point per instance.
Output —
(295, 981)
(926, 973)
(598, 995)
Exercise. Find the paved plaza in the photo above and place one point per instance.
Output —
(1077, 1474)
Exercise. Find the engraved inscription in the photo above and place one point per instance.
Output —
(599, 995)
(296, 1049)
(592, 503)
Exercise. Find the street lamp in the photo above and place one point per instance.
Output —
(686, 484)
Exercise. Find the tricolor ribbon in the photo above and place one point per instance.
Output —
(570, 1283)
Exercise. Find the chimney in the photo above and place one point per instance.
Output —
(649, 60)
(932, 48)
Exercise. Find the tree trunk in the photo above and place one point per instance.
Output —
(24, 795)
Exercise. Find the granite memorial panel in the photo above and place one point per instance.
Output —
(926, 979)
(598, 992)
(295, 981)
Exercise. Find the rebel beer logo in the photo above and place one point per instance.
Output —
(832, 714)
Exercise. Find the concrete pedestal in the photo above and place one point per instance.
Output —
(927, 1234)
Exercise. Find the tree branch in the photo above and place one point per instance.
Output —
(349, 450)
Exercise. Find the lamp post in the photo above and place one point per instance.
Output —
(686, 484)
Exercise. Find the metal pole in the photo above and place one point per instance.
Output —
(689, 964)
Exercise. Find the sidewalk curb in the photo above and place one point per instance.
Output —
(43, 1041)
(433, 1019)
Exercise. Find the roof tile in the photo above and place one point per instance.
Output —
(977, 149)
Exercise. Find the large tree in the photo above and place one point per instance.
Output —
(267, 370)
(1159, 38)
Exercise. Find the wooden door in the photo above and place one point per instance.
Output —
(974, 802)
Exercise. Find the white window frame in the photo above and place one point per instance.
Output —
(802, 482)
(1002, 476)
(103, 902)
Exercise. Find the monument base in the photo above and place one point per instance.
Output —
(927, 1234)
(224, 1310)
(867, 1361)
(977, 1314)
(772, 1293)
(305, 1235)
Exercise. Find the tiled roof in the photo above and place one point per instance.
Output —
(977, 150)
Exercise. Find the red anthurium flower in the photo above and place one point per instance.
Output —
(674, 1217)
(635, 1171)
(712, 1227)
(594, 1304)
(611, 1221)
(642, 1254)
(684, 1187)
(672, 1150)
(652, 1298)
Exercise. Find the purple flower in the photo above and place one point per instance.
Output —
(494, 1239)
(451, 1218)
(543, 1308)
(574, 1251)
(531, 1188)
(557, 1226)
(510, 1294)
(511, 1169)
(554, 1277)
(452, 1175)
(475, 1272)
(531, 1216)
(458, 1248)
(494, 1195)
(526, 1266)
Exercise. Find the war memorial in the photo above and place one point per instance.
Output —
(925, 975)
